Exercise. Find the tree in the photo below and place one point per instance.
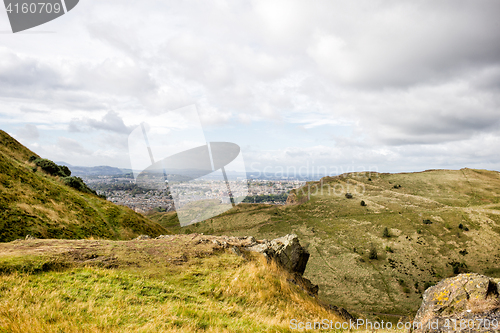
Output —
(386, 233)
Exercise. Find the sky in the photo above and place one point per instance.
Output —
(317, 86)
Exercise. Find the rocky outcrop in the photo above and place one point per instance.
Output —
(286, 251)
(464, 303)
(291, 199)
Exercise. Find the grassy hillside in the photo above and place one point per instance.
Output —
(36, 203)
(439, 223)
(174, 284)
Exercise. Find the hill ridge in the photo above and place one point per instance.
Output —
(439, 223)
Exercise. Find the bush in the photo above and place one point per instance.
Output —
(373, 253)
(50, 167)
(460, 226)
(78, 184)
(389, 249)
(458, 267)
(427, 221)
(348, 195)
(65, 170)
(385, 233)
(363, 203)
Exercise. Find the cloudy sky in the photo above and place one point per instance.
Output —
(344, 85)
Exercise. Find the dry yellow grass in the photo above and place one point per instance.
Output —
(170, 285)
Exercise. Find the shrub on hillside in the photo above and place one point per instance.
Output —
(348, 195)
(427, 221)
(78, 184)
(386, 233)
(363, 203)
(50, 167)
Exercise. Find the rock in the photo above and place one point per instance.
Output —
(165, 237)
(291, 199)
(341, 312)
(467, 298)
(142, 237)
(286, 251)
(236, 251)
(29, 237)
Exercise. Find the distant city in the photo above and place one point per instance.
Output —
(122, 190)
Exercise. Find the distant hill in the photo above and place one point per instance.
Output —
(413, 230)
(36, 203)
(102, 170)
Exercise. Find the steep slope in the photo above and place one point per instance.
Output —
(33, 202)
(439, 223)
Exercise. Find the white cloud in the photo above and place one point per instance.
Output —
(392, 83)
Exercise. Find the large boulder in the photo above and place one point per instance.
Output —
(464, 303)
(286, 251)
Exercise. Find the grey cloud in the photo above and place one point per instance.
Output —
(29, 132)
(71, 147)
(111, 122)
(20, 75)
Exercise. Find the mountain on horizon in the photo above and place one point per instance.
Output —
(101, 170)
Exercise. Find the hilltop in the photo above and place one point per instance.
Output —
(37, 203)
(413, 230)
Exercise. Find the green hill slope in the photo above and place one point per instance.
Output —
(439, 223)
(35, 203)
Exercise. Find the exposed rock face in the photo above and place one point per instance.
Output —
(292, 199)
(286, 251)
(469, 301)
